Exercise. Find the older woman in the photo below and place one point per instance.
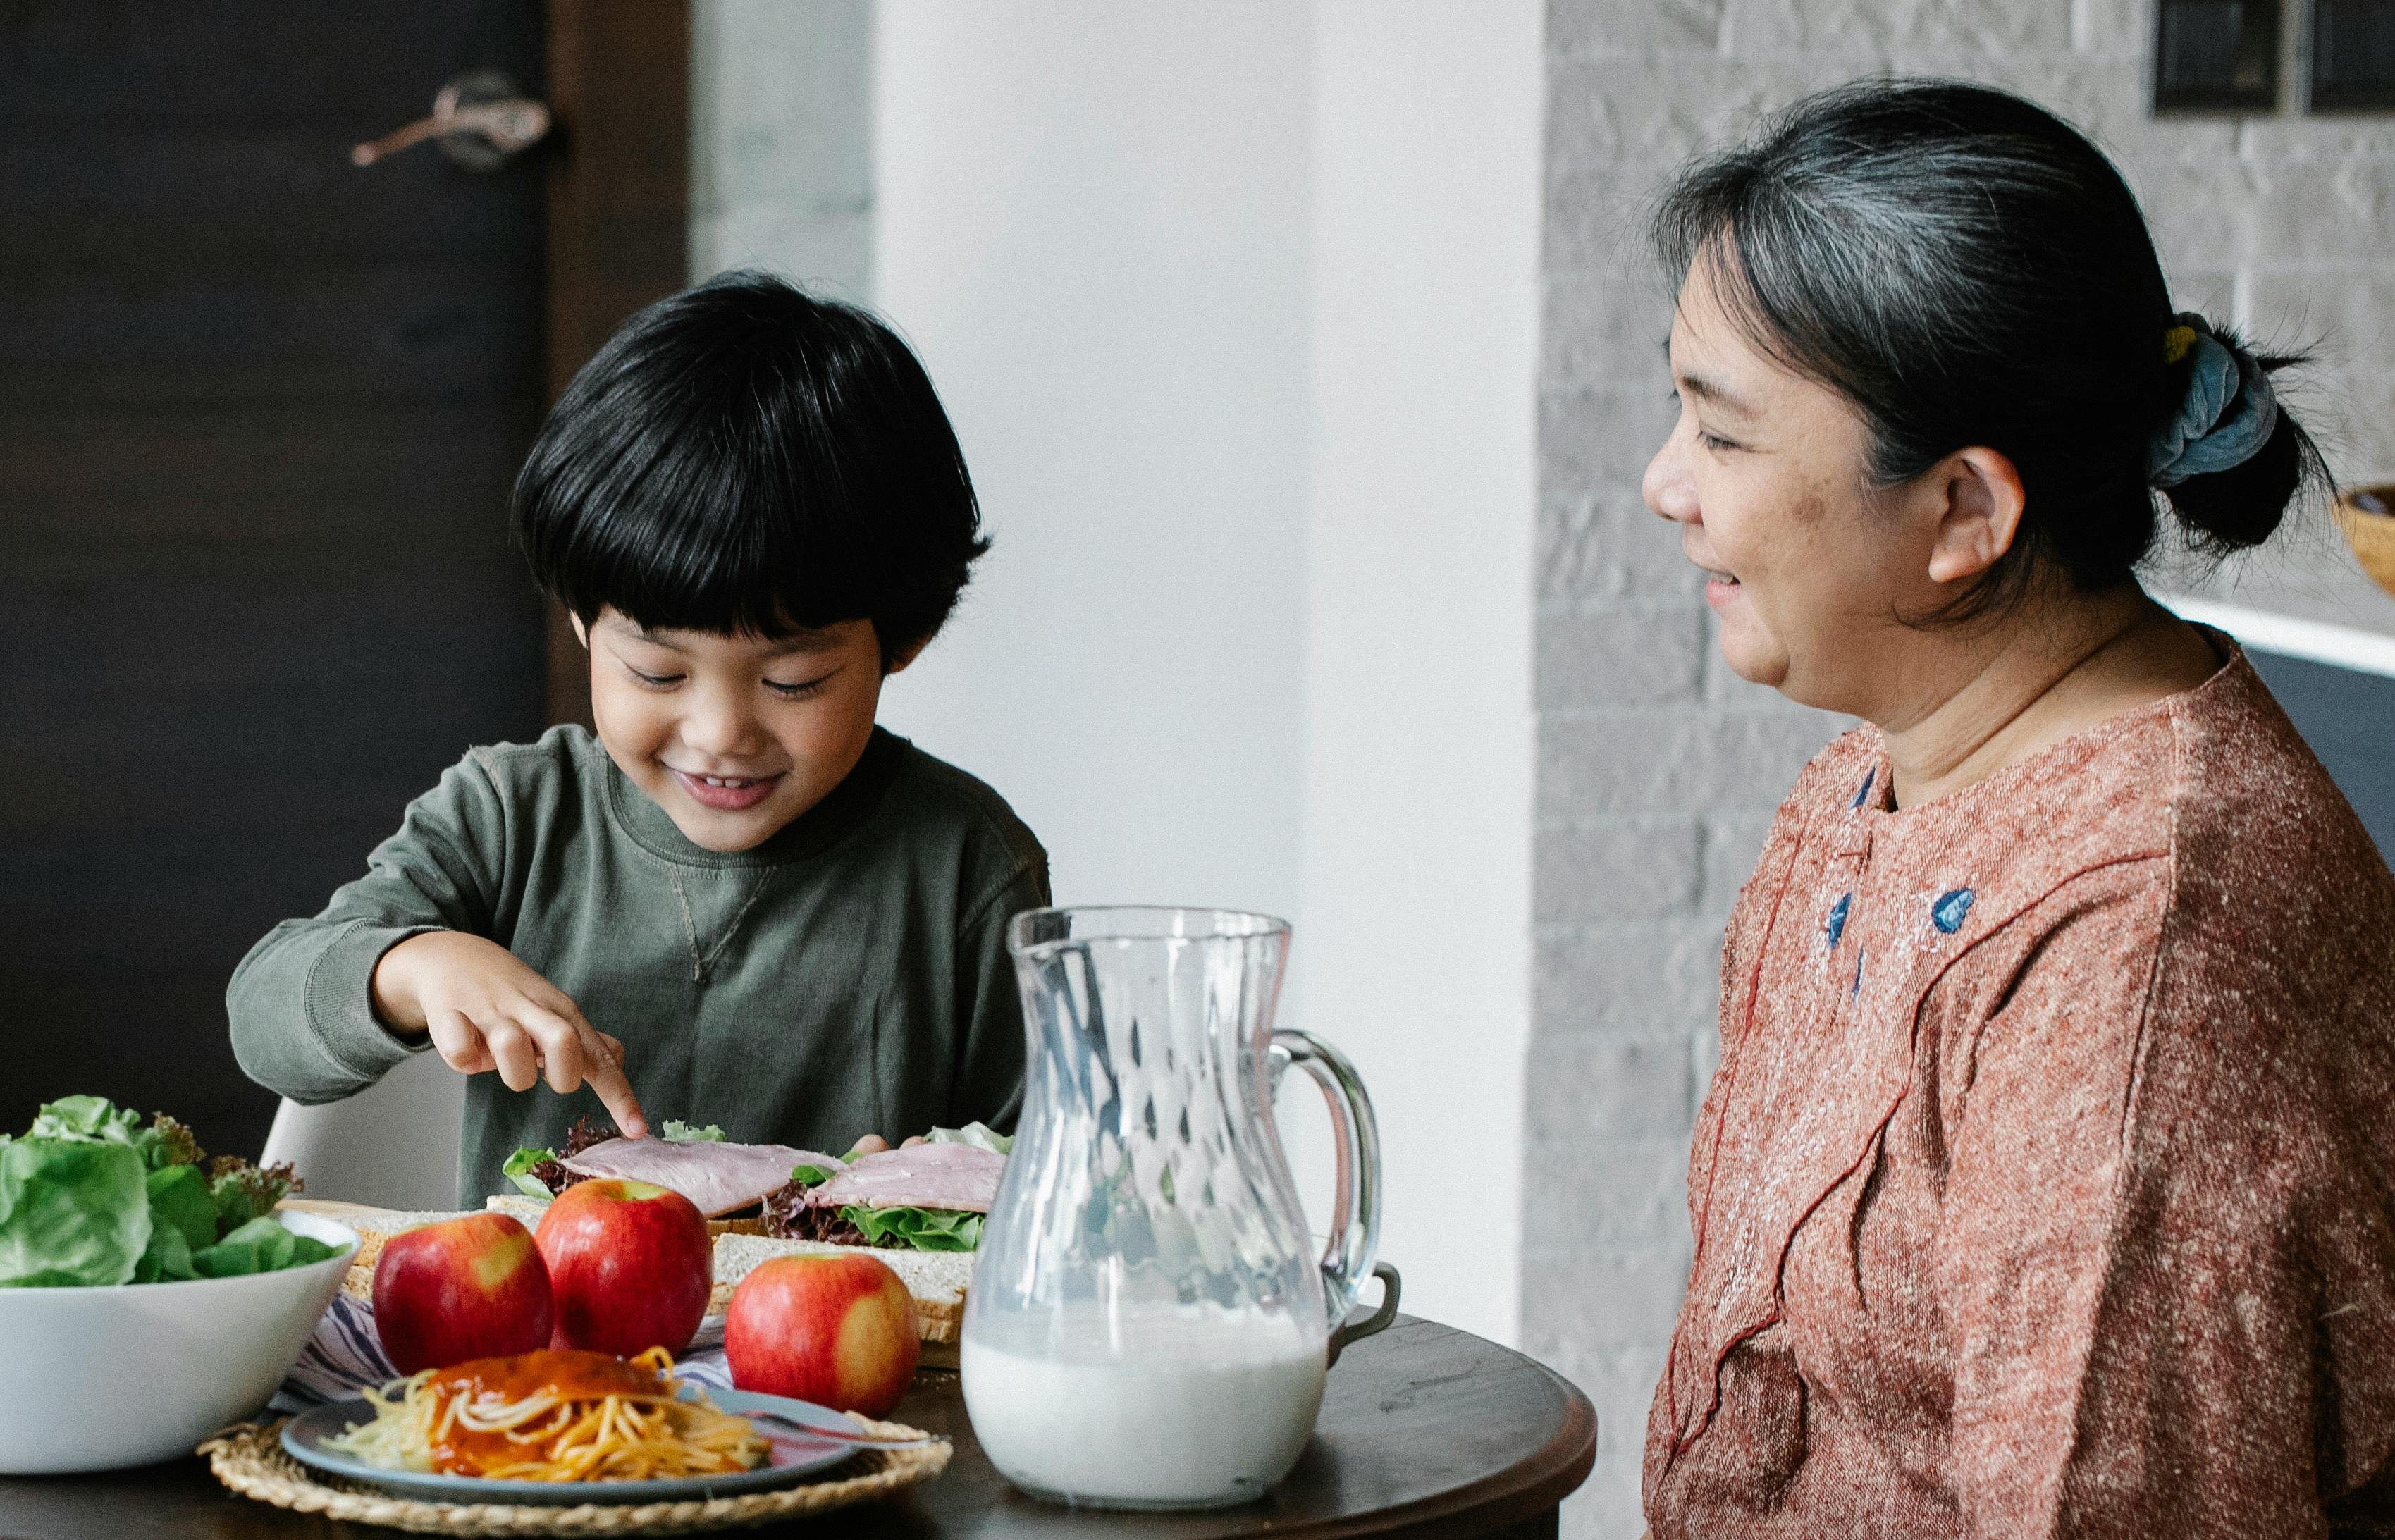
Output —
(2044, 1187)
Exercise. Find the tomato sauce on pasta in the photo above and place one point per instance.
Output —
(553, 1415)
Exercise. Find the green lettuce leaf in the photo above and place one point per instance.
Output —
(84, 1117)
(978, 1134)
(810, 1176)
(167, 1259)
(262, 1245)
(924, 1228)
(73, 1213)
(180, 1201)
(519, 1171)
(99, 1120)
(675, 1131)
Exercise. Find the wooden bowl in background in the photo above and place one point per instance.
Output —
(2367, 516)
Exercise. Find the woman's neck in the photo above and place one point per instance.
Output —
(2052, 671)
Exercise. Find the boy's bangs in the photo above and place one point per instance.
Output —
(689, 546)
(743, 459)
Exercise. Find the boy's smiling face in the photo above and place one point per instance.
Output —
(734, 735)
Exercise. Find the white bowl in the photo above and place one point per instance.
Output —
(102, 1378)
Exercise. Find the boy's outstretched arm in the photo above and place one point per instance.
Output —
(484, 1009)
(303, 1006)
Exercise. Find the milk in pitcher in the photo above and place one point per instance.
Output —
(1150, 1404)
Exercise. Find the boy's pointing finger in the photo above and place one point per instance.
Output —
(603, 1067)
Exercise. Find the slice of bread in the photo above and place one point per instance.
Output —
(527, 1211)
(375, 1227)
(937, 1280)
(515, 1206)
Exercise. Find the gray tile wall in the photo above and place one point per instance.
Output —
(1657, 771)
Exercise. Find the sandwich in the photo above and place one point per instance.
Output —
(919, 1208)
(721, 1177)
(929, 1196)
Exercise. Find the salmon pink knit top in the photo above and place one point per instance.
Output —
(2047, 1183)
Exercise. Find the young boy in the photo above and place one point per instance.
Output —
(787, 921)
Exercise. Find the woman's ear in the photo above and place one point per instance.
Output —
(1982, 516)
(581, 631)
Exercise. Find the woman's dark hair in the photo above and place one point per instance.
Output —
(742, 457)
(1968, 270)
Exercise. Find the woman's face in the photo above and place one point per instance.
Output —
(1767, 476)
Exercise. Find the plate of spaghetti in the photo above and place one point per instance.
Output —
(551, 1427)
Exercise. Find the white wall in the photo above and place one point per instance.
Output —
(1416, 903)
(1091, 223)
(1234, 306)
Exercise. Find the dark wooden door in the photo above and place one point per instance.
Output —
(258, 413)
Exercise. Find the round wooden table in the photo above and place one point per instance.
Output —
(1424, 1431)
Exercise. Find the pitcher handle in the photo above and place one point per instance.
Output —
(1356, 1219)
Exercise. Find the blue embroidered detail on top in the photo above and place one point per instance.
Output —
(1948, 911)
(1856, 986)
(1834, 925)
(1863, 792)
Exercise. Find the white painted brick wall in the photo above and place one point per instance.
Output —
(1657, 770)
(781, 165)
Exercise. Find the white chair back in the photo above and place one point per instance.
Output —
(393, 1145)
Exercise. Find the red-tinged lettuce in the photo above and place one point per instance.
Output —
(242, 1192)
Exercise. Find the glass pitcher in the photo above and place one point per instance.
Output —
(1149, 1325)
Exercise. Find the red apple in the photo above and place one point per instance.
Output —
(630, 1265)
(838, 1330)
(465, 1288)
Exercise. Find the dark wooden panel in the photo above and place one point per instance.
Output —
(254, 581)
(179, 63)
(93, 198)
(116, 912)
(388, 478)
(169, 674)
(430, 330)
(619, 205)
(259, 412)
(152, 1042)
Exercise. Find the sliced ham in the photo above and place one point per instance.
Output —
(924, 1176)
(717, 1177)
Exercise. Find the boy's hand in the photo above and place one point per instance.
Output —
(874, 1144)
(486, 1010)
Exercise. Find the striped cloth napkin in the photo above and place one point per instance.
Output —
(344, 1357)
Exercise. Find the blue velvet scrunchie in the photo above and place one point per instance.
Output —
(2226, 416)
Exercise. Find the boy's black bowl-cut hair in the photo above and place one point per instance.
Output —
(742, 457)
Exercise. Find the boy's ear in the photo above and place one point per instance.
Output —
(905, 655)
(581, 631)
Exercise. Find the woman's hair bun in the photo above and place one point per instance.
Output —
(2243, 505)
(2226, 455)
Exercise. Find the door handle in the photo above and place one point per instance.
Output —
(482, 120)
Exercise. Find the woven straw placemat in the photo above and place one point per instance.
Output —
(253, 1462)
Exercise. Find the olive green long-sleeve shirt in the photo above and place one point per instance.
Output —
(848, 976)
